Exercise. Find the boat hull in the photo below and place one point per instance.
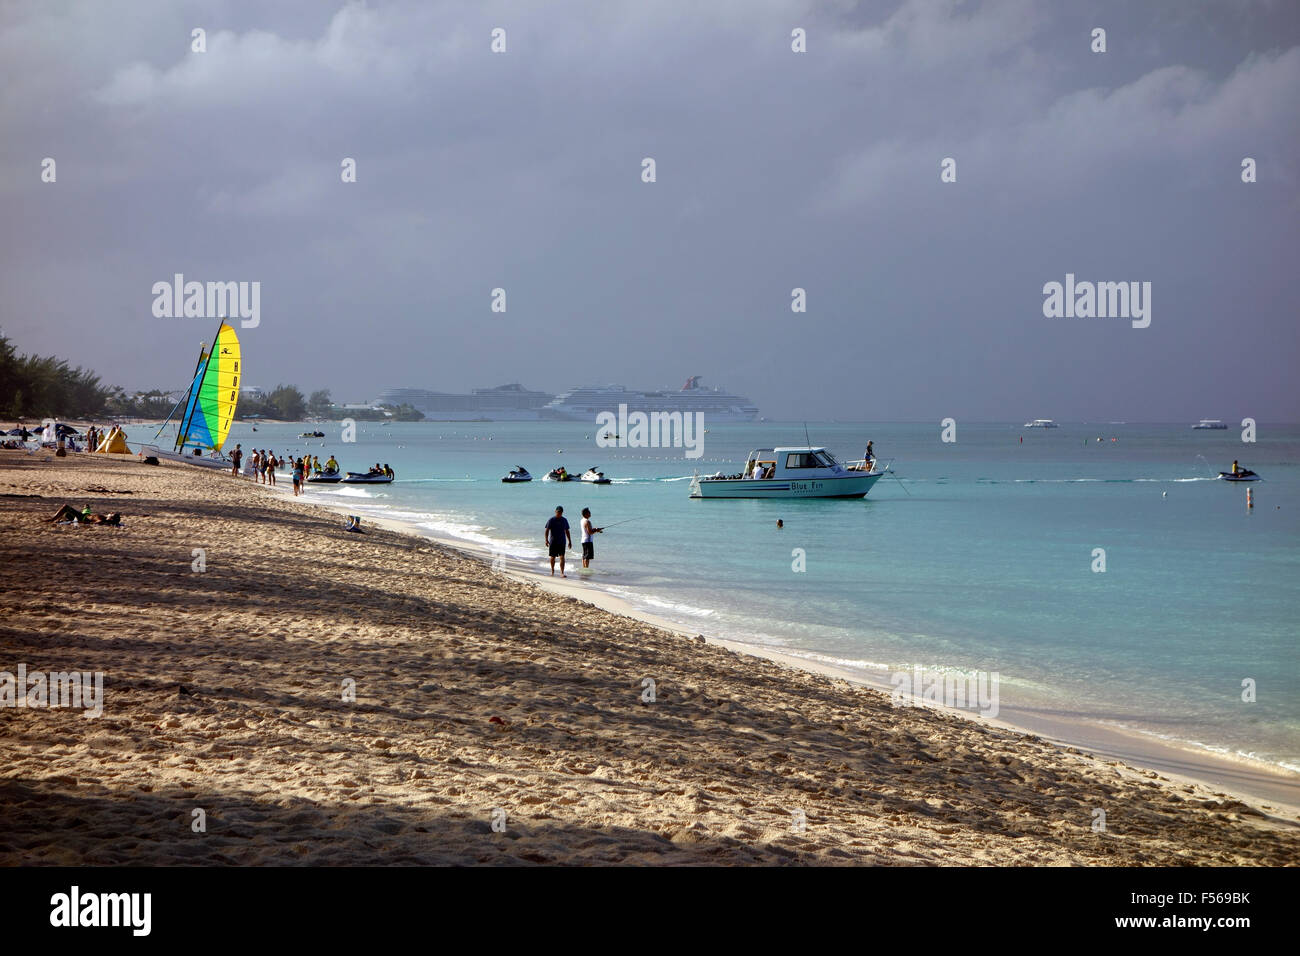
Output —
(214, 464)
(1228, 476)
(848, 486)
(355, 479)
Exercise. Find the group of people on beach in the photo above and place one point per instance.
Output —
(558, 539)
(264, 463)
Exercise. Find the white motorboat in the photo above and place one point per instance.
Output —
(1209, 424)
(795, 472)
(1042, 423)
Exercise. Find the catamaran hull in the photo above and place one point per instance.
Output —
(849, 486)
(216, 464)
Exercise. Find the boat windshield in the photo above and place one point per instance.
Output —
(807, 459)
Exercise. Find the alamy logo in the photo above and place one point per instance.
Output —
(56, 689)
(179, 299)
(1102, 300)
(653, 430)
(975, 691)
(103, 909)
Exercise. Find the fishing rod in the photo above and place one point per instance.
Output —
(624, 521)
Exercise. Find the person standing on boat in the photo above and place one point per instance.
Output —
(588, 544)
(869, 459)
(557, 533)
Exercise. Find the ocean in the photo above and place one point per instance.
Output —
(976, 555)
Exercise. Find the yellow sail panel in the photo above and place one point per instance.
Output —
(220, 391)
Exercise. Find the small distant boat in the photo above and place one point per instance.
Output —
(592, 476)
(558, 474)
(516, 476)
(325, 478)
(1042, 423)
(1209, 424)
(797, 472)
(368, 478)
(312, 435)
(1244, 474)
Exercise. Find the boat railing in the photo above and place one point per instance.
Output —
(859, 464)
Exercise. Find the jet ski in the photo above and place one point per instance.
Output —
(557, 474)
(325, 478)
(1243, 474)
(517, 475)
(368, 478)
(592, 476)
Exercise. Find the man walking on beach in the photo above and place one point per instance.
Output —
(588, 543)
(236, 457)
(557, 533)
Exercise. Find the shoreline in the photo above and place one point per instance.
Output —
(1237, 776)
(467, 693)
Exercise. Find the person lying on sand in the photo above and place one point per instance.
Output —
(69, 513)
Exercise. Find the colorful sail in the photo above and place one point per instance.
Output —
(210, 406)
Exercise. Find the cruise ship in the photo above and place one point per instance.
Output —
(585, 403)
(504, 403)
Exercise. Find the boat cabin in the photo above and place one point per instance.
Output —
(800, 462)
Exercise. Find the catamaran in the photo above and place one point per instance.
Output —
(795, 472)
(209, 405)
(1042, 423)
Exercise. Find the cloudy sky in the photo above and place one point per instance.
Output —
(775, 170)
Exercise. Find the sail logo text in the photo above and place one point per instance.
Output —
(1102, 300)
(211, 300)
(653, 430)
(56, 689)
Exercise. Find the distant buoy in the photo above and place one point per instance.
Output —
(1164, 494)
(1250, 498)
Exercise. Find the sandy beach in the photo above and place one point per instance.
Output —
(482, 697)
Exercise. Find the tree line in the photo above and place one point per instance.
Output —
(37, 387)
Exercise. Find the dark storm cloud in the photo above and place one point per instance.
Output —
(775, 170)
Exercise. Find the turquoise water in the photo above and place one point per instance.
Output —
(978, 556)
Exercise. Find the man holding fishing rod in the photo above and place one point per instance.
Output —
(588, 540)
(588, 545)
